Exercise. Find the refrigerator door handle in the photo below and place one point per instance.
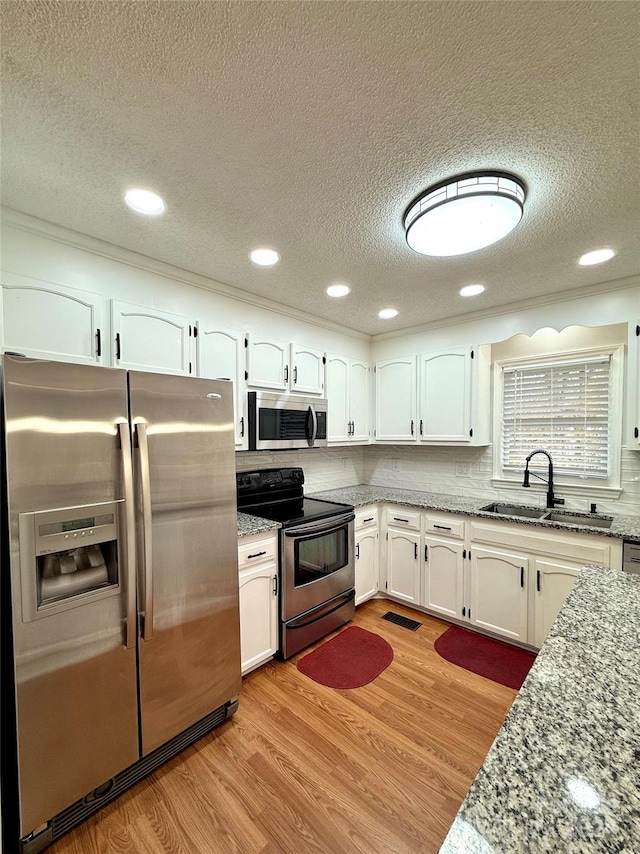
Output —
(130, 532)
(147, 569)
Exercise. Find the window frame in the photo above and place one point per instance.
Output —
(570, 484)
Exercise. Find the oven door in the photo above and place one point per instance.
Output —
(317, 563)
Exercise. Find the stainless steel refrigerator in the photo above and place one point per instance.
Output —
(121, 639)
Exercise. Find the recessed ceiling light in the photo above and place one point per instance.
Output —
(471, 290)
(338, 290)
(387, 313)
(144, 202)
(464, 213)
(596, 257)
(264, 257)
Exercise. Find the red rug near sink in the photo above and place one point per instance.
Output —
(487, 657)
(349, 660)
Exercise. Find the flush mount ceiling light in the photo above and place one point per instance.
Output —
(598, 256)
(338, 290)
(144, 202)
(264, 257)
(471, 290)
(464, 213)
(387, 313)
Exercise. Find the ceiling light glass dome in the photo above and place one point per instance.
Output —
(464, 213)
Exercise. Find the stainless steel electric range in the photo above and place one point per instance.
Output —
(316, 545)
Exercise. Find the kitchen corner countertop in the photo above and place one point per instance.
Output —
(622, 527)
(563, 774)
(248, 525)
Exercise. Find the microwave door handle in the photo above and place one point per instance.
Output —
(147, 568)
(314, 430)
(129, 532)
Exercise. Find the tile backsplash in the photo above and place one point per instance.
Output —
(453, 471)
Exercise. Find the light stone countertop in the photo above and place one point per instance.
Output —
(563, 774)
(248, 525)
(622, 527)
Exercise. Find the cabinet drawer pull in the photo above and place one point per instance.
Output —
(295, 375)
(286, 373)
(442, 527)
(242, 427)
(522, 576)
(412, 426)
(275, 585)
(397, 519)
(98, 342)
(538, 581)
(426, 553)
(117, 345)
(257, 554)
(357, 551)
(370, 519)
(415, 551)
(421, 427)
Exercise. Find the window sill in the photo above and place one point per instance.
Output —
(560, 489)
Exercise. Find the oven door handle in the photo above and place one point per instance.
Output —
(344, 598)
(321, 526)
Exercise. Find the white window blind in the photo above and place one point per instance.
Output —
(563, 407)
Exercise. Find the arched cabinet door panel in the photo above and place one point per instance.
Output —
(145, 339)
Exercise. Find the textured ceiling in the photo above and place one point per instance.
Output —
(309, 126)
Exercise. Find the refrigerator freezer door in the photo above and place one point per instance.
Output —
(75, 678)
(188, 596)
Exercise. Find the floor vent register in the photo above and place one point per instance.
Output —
(399, 620)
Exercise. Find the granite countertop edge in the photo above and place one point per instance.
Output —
(622, 526)
(248, 525)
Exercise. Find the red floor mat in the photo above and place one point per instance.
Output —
(487, 657)
(350, 660)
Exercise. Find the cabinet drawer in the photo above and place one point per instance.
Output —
(400, 517)
(442, 524)
(366, 517)
(257, 551)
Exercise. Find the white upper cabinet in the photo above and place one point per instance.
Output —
(634, 387)
(145, 339)
(306, 372)
(220, 355)
(396, 400)
(348, 399)
(278, 366)
(445, 396)
(267, 363)
(54, 322)
(446, 401)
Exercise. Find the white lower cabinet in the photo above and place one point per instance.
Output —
(367, 554)
(443, 576)
(554, 581)
(404, 564)
(258, 578)
(498, 596)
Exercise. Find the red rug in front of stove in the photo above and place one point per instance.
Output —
(490, 658)
(349, 660)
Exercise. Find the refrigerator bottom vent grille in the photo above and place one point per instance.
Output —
(91, 803)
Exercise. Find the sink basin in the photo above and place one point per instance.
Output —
(514, 510)
(577, 519)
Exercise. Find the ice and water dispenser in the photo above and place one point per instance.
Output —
(68, 556)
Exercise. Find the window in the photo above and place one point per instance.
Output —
(570, 407)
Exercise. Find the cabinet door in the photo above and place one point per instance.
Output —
(403, 566)
(634, 386)
(221, 356)
(396, 400)
(444, 573)
(258, 615)
(553, 583)
(498, 592)
(145, 339)
(307, 370)
(445, 396)
(338, 398)
(359, 374)
(267, 363)
(47, 323)
(366, 564)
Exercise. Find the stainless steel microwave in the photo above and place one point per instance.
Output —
(286, 421)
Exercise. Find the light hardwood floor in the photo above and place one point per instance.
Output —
(304, 768)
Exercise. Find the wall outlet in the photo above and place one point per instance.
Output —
(462, 469)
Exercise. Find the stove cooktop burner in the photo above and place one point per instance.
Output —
(298, 511)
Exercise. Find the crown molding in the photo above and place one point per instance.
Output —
(42, 228)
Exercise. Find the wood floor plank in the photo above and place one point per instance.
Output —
(302, 768)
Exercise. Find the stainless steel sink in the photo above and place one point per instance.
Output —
(544, 515)
(514, 510)
(577, 519)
